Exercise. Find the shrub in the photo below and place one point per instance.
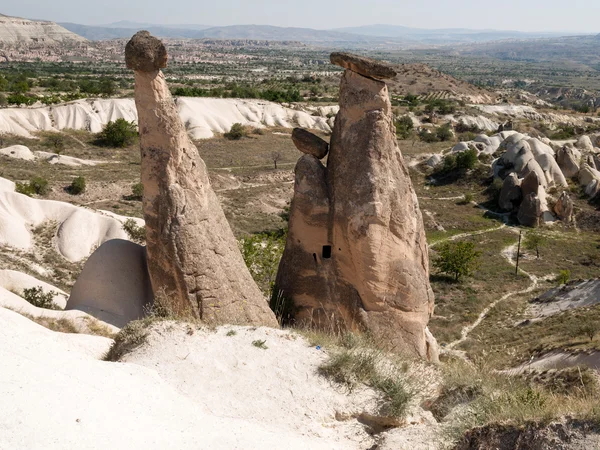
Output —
(444, 133)
(563, 277)
(260, 344)
(589, 328)
(119, 134)
(77, 186)
(37, 297)
(36, 185)
(262, 253)
(56, 142)
(136, 233)
(137, 191)
(467, 159)
(427, 136)
(467, 198)
(236, 132)
(3, 100)
(404, 127)
(457, 259)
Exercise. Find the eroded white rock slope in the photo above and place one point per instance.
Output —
(202, 116)
(79, 230)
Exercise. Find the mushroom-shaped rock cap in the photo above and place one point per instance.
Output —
(145, 53)
(364, 66)
(309, 143)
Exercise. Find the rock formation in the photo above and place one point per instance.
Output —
(310, 144)
(568, 161)
(356, 253)
(563, 208)
(192, 253)
(510, 195)
(114, 285)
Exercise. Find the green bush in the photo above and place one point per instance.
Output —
(119, 134)
(262, 253)
(236, 132)
(427, 136)
(36, 185)
(404, 127)
(136, 233)
(563, 277)
(56, 142)
(466, 159)
(37, 297)
(457, 259)
(137, 191)
(444, 133)
(77, 186)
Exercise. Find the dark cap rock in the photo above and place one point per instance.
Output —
(145, 53)
(363, 66)
(309, 143)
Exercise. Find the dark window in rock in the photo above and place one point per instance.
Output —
(315, 257)
(326, 251)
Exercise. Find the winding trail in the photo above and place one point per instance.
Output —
(508, 253)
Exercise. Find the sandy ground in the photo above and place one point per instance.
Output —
(56, 396)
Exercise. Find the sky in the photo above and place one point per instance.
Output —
(521, 15)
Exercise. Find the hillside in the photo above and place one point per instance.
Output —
(424, 81)
(15, 30)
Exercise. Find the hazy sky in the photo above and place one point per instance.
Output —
(523, 15)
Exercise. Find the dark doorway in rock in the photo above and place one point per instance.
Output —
(326, 251)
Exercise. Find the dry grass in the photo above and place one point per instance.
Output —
(497, 398)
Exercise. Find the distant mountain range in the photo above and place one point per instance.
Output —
(377, 34)
(15, 30)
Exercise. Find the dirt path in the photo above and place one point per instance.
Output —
(508, 253)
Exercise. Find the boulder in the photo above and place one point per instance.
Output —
(585, 144)
(145, 53)
(588, 174)
(460, 147)
(510, 194)
(530, 211)
(531, 183)
(563, 208)
(435, 160)
(568, 161)
(364, 66)
(309, 143)
(192, 253)
(114, 285)
(356, 254)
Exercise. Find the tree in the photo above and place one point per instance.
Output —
(56, 142)
(533, 241)
(404, 127)
(456, 259)
(444, 133)
(466, 159)
(276, 156)
(587, 327)
(77, 186)
(236, 132)
(119, 133)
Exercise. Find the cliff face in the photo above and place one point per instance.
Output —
(15, 30)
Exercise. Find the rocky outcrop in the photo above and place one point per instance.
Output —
(530, 211)
(366, 67)
(192, 253)
(563, 208)
(510, 194)
(309, 143)
(356, 253)
(568, 160)
(114, 285)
